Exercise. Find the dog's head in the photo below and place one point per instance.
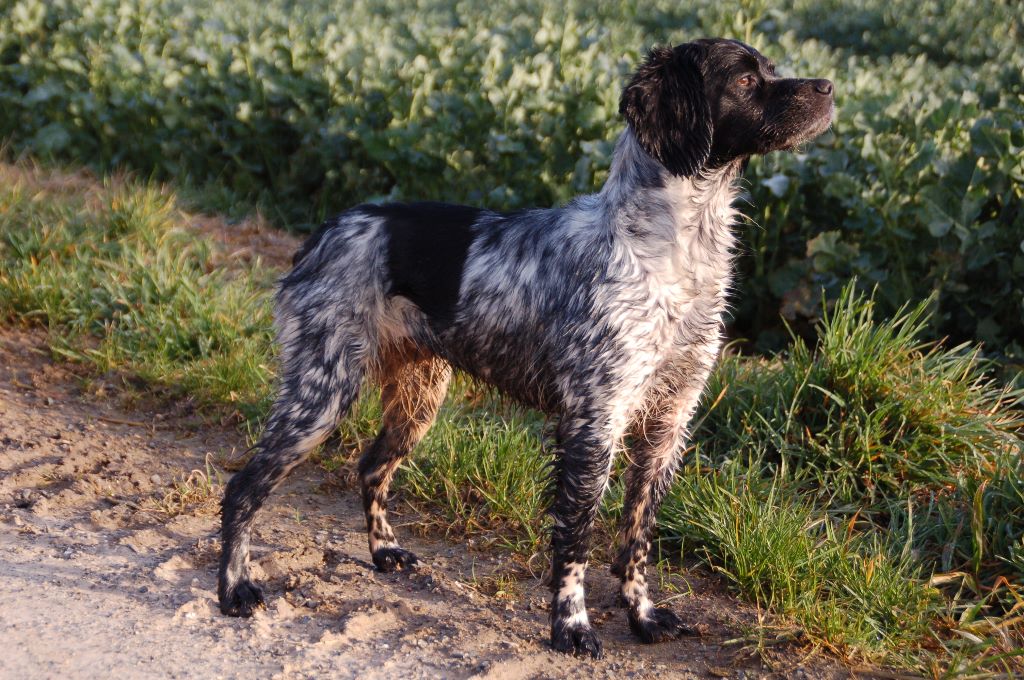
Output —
(709, 102)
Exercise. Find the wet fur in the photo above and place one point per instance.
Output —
(605, 314)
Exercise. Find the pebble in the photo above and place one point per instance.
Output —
(156, 480)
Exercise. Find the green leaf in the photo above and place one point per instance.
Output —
(51, 138)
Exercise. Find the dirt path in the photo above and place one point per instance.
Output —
(100, 581)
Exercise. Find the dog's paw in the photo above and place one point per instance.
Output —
(660, 624)
(242, 600)
(576, 640)
(390, 559)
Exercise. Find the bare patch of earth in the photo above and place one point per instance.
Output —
(109, 568)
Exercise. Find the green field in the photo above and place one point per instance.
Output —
(864, 485)
(307, 108)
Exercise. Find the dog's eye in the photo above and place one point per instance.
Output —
(746, 82)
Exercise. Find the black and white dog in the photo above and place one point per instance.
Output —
(605, 314)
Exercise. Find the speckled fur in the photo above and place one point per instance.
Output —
(605, 314)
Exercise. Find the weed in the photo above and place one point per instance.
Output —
(199, 492)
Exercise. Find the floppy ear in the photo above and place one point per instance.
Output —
(665, 105)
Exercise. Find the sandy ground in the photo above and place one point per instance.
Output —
(102, 576)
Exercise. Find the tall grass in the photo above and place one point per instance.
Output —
(852, 589)
(837, 483)
(867, 489)
(121, 285)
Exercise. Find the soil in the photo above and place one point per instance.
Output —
(109, 570)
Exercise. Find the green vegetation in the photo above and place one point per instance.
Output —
(867, 490)
(122, 285)
(832, 484)
(308, 108)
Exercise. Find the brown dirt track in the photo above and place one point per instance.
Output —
(104, 575)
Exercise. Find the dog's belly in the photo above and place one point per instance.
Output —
(518, 368)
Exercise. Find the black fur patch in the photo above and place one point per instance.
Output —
(427, 247)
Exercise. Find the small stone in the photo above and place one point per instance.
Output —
(156, 480)
(25, 498)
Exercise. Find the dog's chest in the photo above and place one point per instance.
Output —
(687, 278)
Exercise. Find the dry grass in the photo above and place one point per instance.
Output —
(197, 493)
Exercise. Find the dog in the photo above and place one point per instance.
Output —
(605, 314)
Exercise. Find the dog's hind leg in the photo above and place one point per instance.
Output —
(322, 369)
(413, 385)
(658, 448)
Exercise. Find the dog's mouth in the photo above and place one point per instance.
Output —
(818, 125)
(809, 122)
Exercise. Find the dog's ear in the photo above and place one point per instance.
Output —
(666, 106)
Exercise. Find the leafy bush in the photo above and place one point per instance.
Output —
(309, 108)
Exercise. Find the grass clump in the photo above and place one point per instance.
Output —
(480, 468)
(482, 464)
(200, 491)
(846, 588)
(122, 286)
(872, 410)
(841, 484)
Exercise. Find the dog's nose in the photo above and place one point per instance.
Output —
(823, 86)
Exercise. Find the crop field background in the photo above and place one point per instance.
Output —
(307, 108)
(858, 480)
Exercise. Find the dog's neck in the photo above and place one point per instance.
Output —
(644, 203)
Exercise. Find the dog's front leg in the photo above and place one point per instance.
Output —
(659, 442)
(581, 468)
